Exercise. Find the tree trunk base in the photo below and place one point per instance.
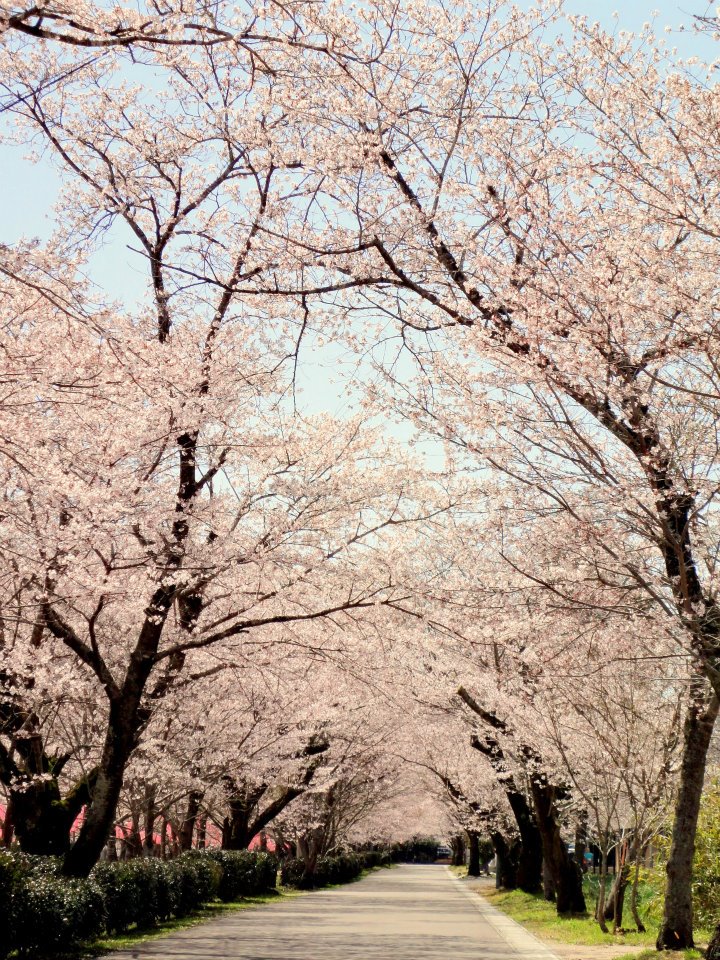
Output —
(669, 939)
(713, 951)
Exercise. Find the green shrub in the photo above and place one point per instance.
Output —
(51, 913)
(341, 868)
(201, 880)
(139, 892)
(13, 871)
(375, 858)
(244, 873)
(122, 892)
(293, 872)
(43, 912)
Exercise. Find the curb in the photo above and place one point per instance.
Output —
(524, 943)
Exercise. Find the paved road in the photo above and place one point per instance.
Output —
(408, 913)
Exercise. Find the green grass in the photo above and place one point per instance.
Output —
(540, 917)
(663, 955)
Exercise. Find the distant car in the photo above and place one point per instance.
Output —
(443, 852)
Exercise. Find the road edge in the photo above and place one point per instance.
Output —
(526, 944)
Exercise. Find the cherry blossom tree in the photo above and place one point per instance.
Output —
(519, 223)
(559, 227)
(165, 498)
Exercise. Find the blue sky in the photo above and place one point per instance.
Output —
(633, 13)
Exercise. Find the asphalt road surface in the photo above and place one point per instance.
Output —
(405, 913)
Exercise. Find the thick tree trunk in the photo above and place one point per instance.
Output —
(619, 897)
(676, 931)
(529, 870)
(529, 867)
(549, 892)
(187, 827)
(565, 872)
(457, 845)
(713, 950)
(133, 839)
(124, 723)
(43, 819)
(506, 862)
(236, 826)
(473, 854)
(42, 825)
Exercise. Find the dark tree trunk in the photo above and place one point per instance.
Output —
(713, 951)
(473, 854)
(616, 900)
(43, 819)
(676, 931)
(529, 866)
(148, 847)
(202, 833)
(237, 832)
(133, 840)
(42, 823)
(506, 856)
(124, 723)
(602, 899)
(549, 892)
(529, 869)
(164, 829)
(187, 827)
(175, 841)
(246, 818)
(457, 845)
(566, 874)
(634, 896)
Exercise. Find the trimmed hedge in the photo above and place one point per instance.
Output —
(341, 868)
(293, 873)
(244, 873)
(375, 858)
(147, 891)
(52, 914)
(44, 913)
